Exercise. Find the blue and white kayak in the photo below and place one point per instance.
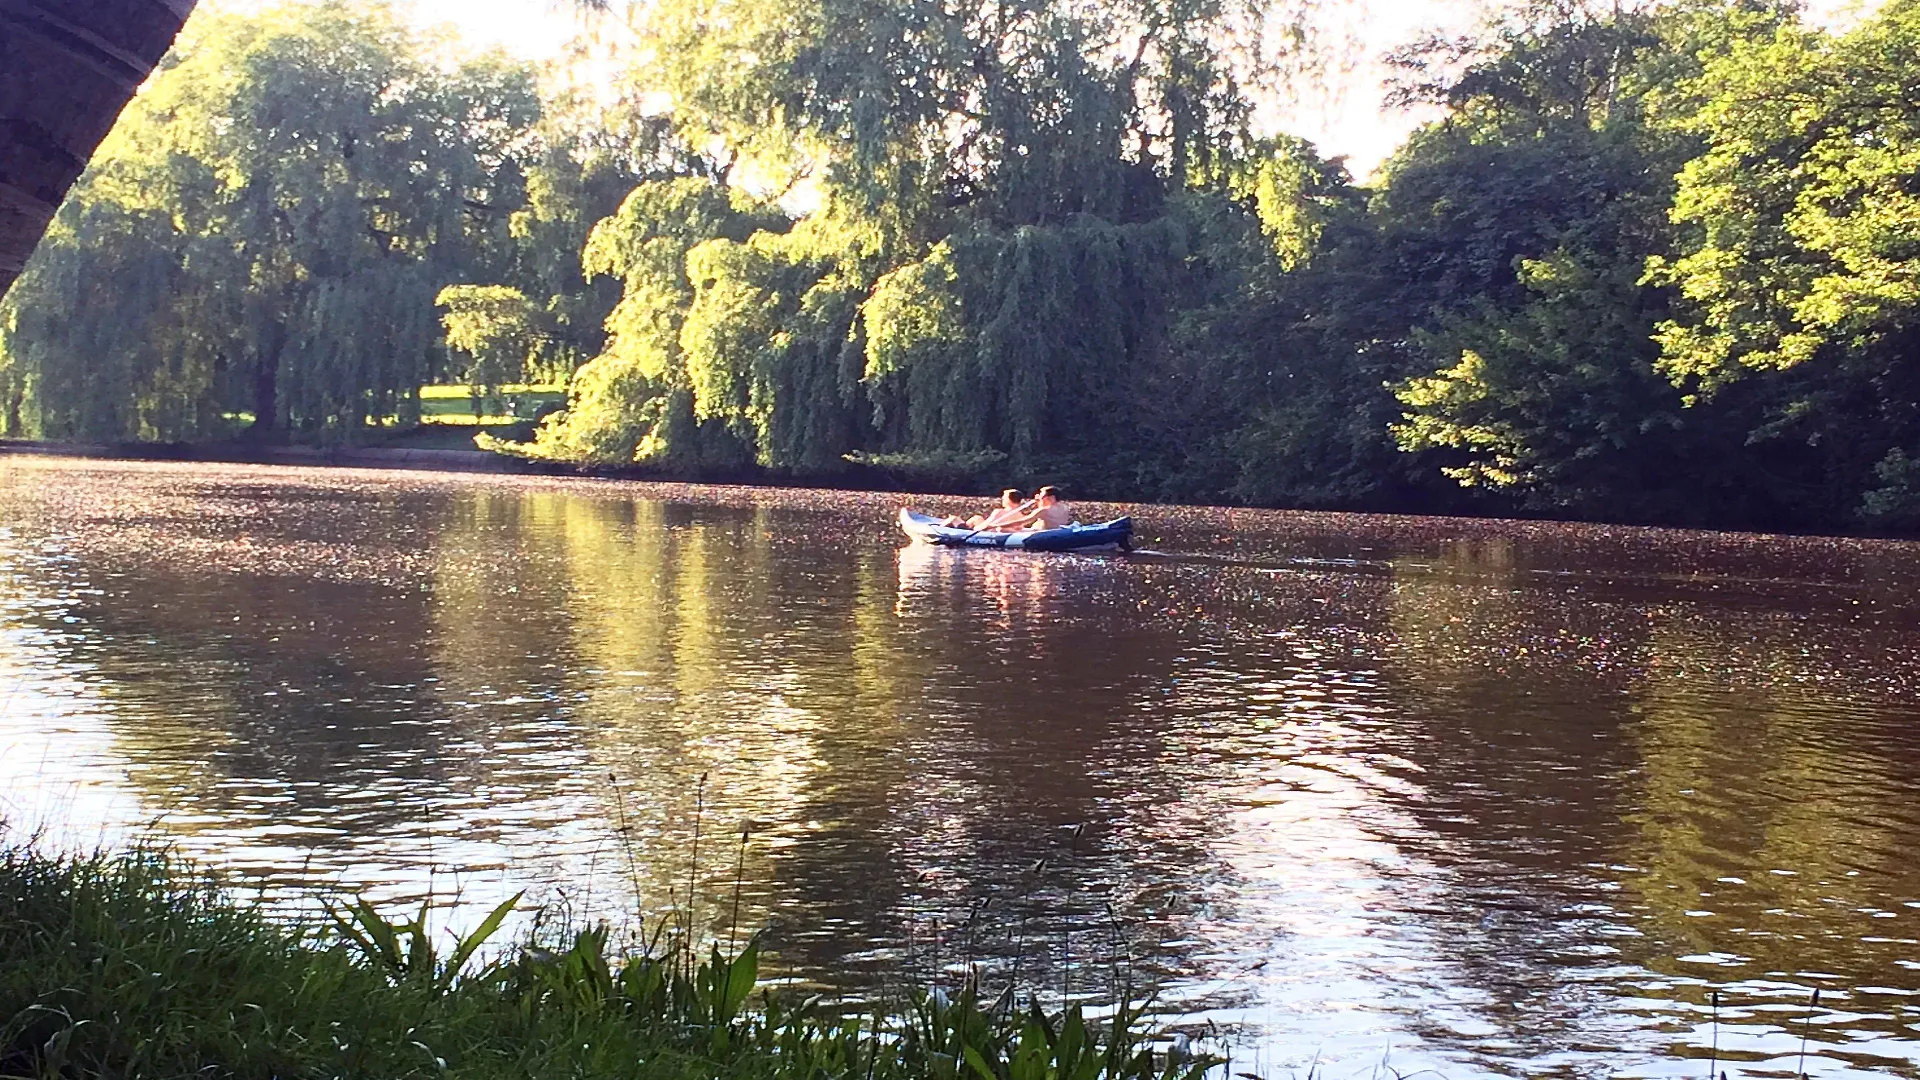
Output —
(1117, 533)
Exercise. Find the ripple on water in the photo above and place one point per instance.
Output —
(1479, 796)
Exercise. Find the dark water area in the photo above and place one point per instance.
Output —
(1485, 798)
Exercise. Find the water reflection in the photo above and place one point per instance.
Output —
(1480, 797)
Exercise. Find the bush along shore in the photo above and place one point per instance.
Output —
(136, 964)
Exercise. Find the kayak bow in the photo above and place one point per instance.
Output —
(1108, 534)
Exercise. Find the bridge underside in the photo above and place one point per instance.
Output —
(67, 68)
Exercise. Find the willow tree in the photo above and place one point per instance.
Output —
(1018, 111)
(540, 316)
(271, 222)
(1010, 163)
(634, 401)
(493, 327)
(1002, 339)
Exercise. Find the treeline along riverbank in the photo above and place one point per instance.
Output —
(1655, 262)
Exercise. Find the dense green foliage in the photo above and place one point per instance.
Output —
(133, 965)
(1655, 262)
(263, 237)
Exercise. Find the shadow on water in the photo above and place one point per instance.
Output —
(1480, 797)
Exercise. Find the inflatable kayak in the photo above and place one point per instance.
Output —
(1108, 534)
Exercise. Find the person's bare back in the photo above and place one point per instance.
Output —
(1051, 513)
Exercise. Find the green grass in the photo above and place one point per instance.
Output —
(454, 404)
(136, 965)
(438, 436)
(462, 392)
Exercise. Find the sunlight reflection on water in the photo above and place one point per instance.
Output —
(1482, 797)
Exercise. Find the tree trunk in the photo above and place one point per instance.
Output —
(266, 390)
(67, 68)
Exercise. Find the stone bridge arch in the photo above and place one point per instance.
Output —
(67, 68)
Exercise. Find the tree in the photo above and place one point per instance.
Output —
(308, 180)
(1798, 254)
(1657, 260)
(588, 158)
(1521, 227)
(494, 326)
(1558, 398)
(634, 402)
(991, 272)
(1805, 229)
(1012, 111)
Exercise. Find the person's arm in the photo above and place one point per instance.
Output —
(1022, 518)
(1010, 515)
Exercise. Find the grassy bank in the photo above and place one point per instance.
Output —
(134, 965)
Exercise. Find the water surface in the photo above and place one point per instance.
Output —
(1487, 798)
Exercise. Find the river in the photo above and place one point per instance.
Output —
(1482, 797)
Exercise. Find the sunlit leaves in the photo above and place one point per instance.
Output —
(1802, 225)
(310, 179)
(493, 325)
(1558, 397)
(1015, 111)
(626, 401)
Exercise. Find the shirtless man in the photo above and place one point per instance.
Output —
(1048, 513)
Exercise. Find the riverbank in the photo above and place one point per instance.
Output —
(430, 449)
(237, 453)
(136, 964)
